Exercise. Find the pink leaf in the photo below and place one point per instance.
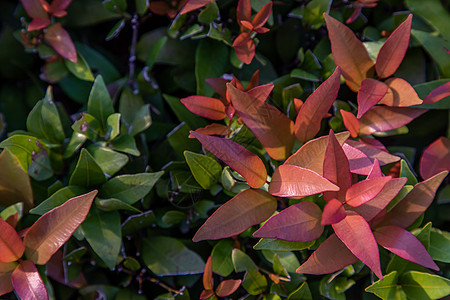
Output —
(6, 270)
(28, 283)
(370, 93)
(271, 127)
(193, 5)
(307, 123)
(438, 93)
(11, 246)
(38, 23)
(61, 42)
(393, 50)
(293, 181)
(373, 142)
(333, 212)
(243, 11)
(213, 129)
(297, 223)
(249, 165)
(59, 5)
(55, 227)
(359, 162)
(263, 15)
(365, 190)
(400, 94)
(331, 256)
(227, 287)
(206, 107)
(350, 122)
(356, 234)
(205, 294)
(244, 47)
(34, 9)
(244, 210)
(375, 172)
(372, 152)
(435, 158)
(261, 92)
(219, 85)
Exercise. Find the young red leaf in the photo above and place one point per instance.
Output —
(400, 93)
(331, 256)
(61, 42)
(359, 162)
(384, 118)
(206, 107)
(271, 127)
(249, 165)
(243, 11)
(415, 202)
(438, 93)
(11, 246)
(297, 223)
(373, 142)
(293, 181)
(193, 5)
(311, 155)
(28, 283)
(213, 129)
(307, 123)
(254, 82)
(6, 270)
(375, 172)
(350, 122)
(336, 169)
(247, 25)
(403, 243)
(262, 16)
(370, 93)
(227, 287)
(205, 294)
(372, 152)
(34, 9)
(244, 210)
(244, 47)
(58, 6)
(261, 92)
(38, 23)
(208, 280)
(55, 227)
(348, 52)
(365, 190)
(333, 212)
(356, 234)
(435, 158)
(219, 85)
(393, 50)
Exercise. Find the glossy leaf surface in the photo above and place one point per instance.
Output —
(206, 107)
(27, 282)
(400, 93)
(370, 93)
(227, 287)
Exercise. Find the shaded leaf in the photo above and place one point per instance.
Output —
(114, 204)
(333, 212)
(61, 41)
(221, 258)
(418, 285)
(244, 47)
(58, 198)
(242, 262)
(208, 280)
(302, 293)
(369, 94)
(280, 245)
(27, 282)
(254, 282)
(87, 172)
(400, 93)
(439, 245)
(435, 158)
(227, 287)
(438, 93)
(206, 107)
(11, 245)
(6, 270)
(108, 160)
(213, 129)
(99, 103)
(365, 190)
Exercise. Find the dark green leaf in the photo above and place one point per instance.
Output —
(424, 89)
(131, 263)
(209, 13)
(88, 126)
(135, 114)
(127, 144)
(76, 141)
(114, 204)
(109, 160)
(112, 126)
(154, 51)
(440, 245)
(115, 6)
(141, 6)
(99, 103)
(280, 245)
(115, 31)
(334, 287)
(242, 262)
(405, 171)
(173, 217)
(313, 13)
(302, 293)
(139, 221)
(178, 139)
(87, 172)
(58, 198)
(183, 114)
(433, 12)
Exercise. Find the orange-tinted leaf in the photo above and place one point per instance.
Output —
(384, 118)
(34, 9)
(28, 283)
(336, 169)
(219, 85)
(160, 8)
(38, 23)
(244, 47)
(249, 165)
(243, 11)
(262, 16)
(6, 270)
(271, 127)
(348, 52)
(247, 24)
(435, 158)
(208, 280)
(400, 93)
(307, 123)
(438, 93)
(373, 152)
(213, 129)
(55, 227)
(355, 233)
(311, 155)
(261, 92)
(365, 190)
(206, 294)
(227, 287)
(350, 122)
(403, 243)
(193, 5)
(331, 256)
(297, 223)
(370, 93)
(244, 210)
(297, 104)
(375, 172)
(415, 202)
(61, 42)
(293, 181)
(206, 107)
(254, 82)
(11, 246)
(393, 50)
(333, 212)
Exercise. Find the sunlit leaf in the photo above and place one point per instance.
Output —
(254, 282)
(438, 93)
(370, 93)
(204, 169)
(193, 5)
(261, 92)
(386, 288)
(221, 258)
(227, 287)
(61, 42)
(244, 47)
(372, 152)
(80, 69)
(350, 122)
(27, 282)
(418, 285)
(58, 198)
(435, 158)
(213, 129)
(365, 190)
(206, 107)
(262, 16)
(34, 8)
(11, 245)
(400, 93)
(333, 212)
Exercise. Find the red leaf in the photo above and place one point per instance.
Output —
(333, 212)
(34, 9)
(208, 280)
(11, 246)
(384, 118)
(370, 93)
(219, 85)
(249, 165)
(193, 5)
(6, 270)
(372, 152)
(12, 220)
(28, 283)
(262, 16)
(400, 94)
(254, 82)
(293, 181)
(336, 169)
(261, 92)
(271, 127)
(307, 123)
(349, 53)
(350, 122)
(435, 158)
(213, 129)
(206, 294)
(403, 243)
(373, 142)
(59, 5)
(244, 47)
(393, 50)
(243, 11)
(365, 190)
(61, 42)
(247, 25)
(331, 256)
(206, 107)
(356, 234)
(297, 223)
(160, 8)
(55, 227)
(227, 287)
(244, 210)
(354, 15)
(415, 202)
(375, 172)
(311, 155)
(438, 93)
(38, 23)
(359, 162)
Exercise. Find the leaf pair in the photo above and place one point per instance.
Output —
(224, 289)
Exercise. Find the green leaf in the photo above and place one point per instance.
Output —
(334, 287)
(127, 144)
(131, 263)
(421, 286)
(209, 13)
(99, 103)
(115, 6)
(313, 13)
(440, 245)
(405, 171)
(154, 51)
(278, 267)
(167, 256)
(135, 114)
(425, 88)
(222, 263)
(115, 31)
(58, 198)
(98, 62)
(205, 169)
(112, 126)
(433, 12)
(130, 188)
(286, 258)
(109, 161)
(141, 6)
(87, 172)
(11, 210)
(242, 262)
(302, 293)
(178, 139)
(102, 232)
(139, 221)
(76, 141)
(173, 217)
(403, 192)
(114, 204)
(254, 282)
(387, 288)
(280, 245)
(301, 74)
(88, 126)
(80, 69)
